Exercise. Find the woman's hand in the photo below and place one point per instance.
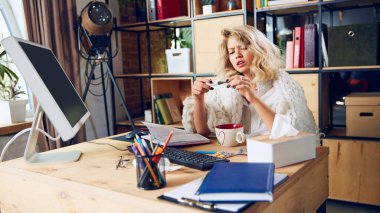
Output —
(244, 86)
(200, 87)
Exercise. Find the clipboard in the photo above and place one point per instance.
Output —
(186, 195)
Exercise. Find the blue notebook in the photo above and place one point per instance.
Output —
(238, 182)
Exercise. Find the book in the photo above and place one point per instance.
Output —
(311, 45)
(281, 2)
(282, 151)
(180, 137)
(157, 110)
(172, 107)
(238, 182)
(164, 110)
(186, 194)
(298, 57)
(289, 54)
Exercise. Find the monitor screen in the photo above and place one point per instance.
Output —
(49, 84)
(51, 73)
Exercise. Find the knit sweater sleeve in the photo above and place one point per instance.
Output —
(223, 105)
(293, 104)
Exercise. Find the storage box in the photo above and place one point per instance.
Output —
(282, 151)
(354, 45)
(179, 60)
(363, 114)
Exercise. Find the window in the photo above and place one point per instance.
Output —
(10, 26)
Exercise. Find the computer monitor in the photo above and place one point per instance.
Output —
(54, 92)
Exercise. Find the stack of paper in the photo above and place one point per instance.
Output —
(180, 137)
(188, 192)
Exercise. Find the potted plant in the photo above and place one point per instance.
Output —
(208, 6)
(13, 109)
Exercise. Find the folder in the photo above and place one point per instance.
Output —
(168, 8)
(298, 47)
(311, 41)
(186, 195)
(289, 54)
(238, 182)
(152, 10)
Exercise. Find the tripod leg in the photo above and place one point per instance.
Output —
(105, 98)
(135, 131)
(88, 82)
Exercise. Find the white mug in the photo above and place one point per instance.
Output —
(230, 134)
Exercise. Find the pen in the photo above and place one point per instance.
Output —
(206, 152)
(217, 83)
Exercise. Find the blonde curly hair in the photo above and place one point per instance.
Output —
(267, 57)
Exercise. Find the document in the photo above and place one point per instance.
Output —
(180, 137)
(186, 194)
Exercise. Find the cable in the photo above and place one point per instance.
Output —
(97, 143)
(9, 143)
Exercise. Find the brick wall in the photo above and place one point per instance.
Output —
(130, 53)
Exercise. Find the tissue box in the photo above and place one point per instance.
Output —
(282, 151)
(178, 60)
(363, 114)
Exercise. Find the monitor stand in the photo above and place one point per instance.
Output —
(30, 154)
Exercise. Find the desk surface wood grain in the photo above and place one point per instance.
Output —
(93, 184)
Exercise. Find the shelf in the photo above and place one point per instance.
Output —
(340, 133)
(301, 7)
(182, 21)
(302, 70)
(146, 75)
(131, 76)
(13, 128)
(138, 123)
(347, 4)
(219, 14)
(351, 68)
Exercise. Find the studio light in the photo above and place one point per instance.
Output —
(96, 22)
(94, 35)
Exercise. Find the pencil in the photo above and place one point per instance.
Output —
(160, 150)
(148, 164)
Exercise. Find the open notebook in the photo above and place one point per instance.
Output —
(180, 137)
(186, 194)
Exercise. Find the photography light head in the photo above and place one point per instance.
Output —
(96, 22)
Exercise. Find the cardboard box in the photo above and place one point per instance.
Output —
(282, 151)
(363, 114)
(179, 60)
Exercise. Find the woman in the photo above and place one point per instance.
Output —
(255, 93)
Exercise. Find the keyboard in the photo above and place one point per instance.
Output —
(191, 159)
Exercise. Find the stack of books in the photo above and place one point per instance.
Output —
(166, 109)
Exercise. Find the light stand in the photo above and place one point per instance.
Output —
(97, 51)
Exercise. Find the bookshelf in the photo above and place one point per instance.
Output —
(353, 173)
(149, 79)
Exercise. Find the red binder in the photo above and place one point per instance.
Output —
(168, 9)
(299, 49)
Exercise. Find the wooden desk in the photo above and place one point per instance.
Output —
(94, 185)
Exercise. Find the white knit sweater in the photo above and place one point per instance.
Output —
(226, 105)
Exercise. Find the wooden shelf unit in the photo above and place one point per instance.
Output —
(353, 161)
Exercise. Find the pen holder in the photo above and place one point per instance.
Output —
(150, 172)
